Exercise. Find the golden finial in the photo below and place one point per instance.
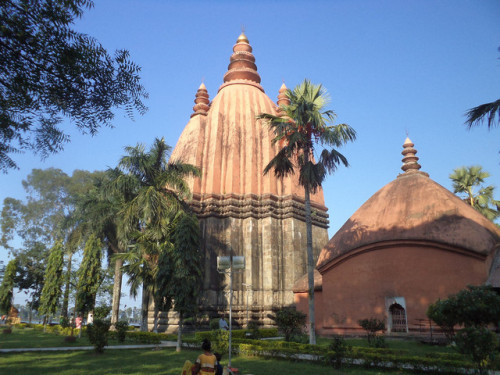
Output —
(242, 38)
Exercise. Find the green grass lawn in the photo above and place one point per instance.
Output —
(150, 362)
(157, 361)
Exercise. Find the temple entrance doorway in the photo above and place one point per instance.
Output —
(397, 316)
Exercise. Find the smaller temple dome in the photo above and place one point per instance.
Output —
(412, 208)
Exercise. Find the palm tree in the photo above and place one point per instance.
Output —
(153, 191)
(97, 213)
(299, 129)
(488, 111)
(465, 180)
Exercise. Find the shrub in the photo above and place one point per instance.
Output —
(339, 349)
(290, 321)
(121, 330)
(479, 344)
(64, 322)
(253, 329)
(372, 326)
(214, 324)
(97, 333)
(220, 341)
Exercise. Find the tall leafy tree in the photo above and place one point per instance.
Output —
(185, 258)
(7, 286)
(89, 275)
(301, 130)
(39, 220)
(51, 72)
(51, 292)
(468, 183)
(97, 212)
(153, 189)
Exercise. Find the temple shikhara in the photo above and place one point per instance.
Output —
(241, 211)
(411, 243)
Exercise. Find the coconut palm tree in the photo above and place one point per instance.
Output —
(468, 183)
(301, 129)
(153, 190)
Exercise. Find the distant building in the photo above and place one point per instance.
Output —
(241, 211)
(411, 243)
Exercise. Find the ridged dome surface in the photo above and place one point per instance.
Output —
(230, 146)
(413, 207)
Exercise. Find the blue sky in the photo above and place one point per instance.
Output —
(390, 67)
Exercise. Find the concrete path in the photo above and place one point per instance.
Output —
(162, 344)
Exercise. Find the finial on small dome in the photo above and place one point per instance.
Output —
(410, 160)
(202, 102)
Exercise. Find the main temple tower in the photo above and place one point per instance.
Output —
(241, 211)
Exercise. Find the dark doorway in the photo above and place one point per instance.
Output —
(398, 318)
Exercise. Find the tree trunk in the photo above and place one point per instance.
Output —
(144, 309)
(64, 309)
(179, 334)
(117, 289)
(155, 321)
(310, 267)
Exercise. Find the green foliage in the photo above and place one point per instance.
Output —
(40, 221)
(301, 126)
(290, 322)
(465, 182)
(372, 326)
(253, 328)
(121, 330)
(445, 314)
(97, 333)
(476, 306)
(51, 71)
(7, 286)
(214, 324)
(102, 312)
(153, 191)
(339, 351)
(51, 291)
(89, 275)
(479, 343)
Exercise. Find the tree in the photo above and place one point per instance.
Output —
(7, 286)
(89, 275)
(51, 291)
(180, 270)
(97, 212)
(39, 221)
(290, 321)
(50, 72)
(299, 129)
(153, 191)
(473, 308)
(372, 326)
(465, 180)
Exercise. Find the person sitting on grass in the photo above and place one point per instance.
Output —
(205, 363)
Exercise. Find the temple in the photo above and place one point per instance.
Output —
(410, 244)
(242, 211)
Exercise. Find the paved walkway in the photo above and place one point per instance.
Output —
(163, 344)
